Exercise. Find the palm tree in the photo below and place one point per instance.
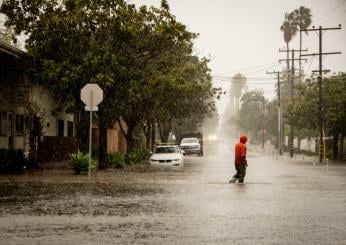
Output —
(289, 28)
(302, 18)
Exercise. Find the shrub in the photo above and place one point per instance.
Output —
(12, 161)
(80, 162)
(95, 152)
(116, 159)
(137, 156)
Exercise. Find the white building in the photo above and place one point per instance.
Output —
(18, 96)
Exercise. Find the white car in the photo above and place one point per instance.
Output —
(167, 155)
(191, 146)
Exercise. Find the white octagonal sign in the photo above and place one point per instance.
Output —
(92, 95)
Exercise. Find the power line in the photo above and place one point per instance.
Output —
(246, 78)
(311, 61)
(264, 67)
(257, 71)
(331, 43)
(334, 17)
(252, 83)
(331, 11)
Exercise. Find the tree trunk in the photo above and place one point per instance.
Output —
(153, 135)
(102, 146)
(300, 49)
(131, 143)
(165, 129)
(262, 138)
(82, 130)
(335, 146)
(148, 132)
(288, 57)
(177, 133)
(341, 149)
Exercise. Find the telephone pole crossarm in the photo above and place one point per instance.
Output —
(281, 60)
(294, 50)
(316, 54)
(323, 29)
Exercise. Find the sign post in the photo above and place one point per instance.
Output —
(91, 95)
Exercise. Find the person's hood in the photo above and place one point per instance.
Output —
(243, 139)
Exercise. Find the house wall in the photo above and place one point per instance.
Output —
(42, 97)
(38, 96)
(116, 142)
(10, 110)
(17, 95)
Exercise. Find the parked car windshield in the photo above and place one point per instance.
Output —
(189, 140)
(166, 150)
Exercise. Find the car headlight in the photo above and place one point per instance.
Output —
(175, 160)
(154, 160)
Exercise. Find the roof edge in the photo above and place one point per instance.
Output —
(11, 50)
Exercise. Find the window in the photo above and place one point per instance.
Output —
(3, 123)
(189, 140)
(19, 125)
(70, 129)
(61, 128)
(166, 149)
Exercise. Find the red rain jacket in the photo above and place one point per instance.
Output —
(240, 151)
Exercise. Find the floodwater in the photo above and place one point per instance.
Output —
(282, 202)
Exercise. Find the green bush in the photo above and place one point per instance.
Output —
(12, 161)
(137, 156)
(116, 159)
(80, 162)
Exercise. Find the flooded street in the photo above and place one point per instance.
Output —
(281, 202)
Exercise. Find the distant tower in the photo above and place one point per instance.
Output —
(238, 83)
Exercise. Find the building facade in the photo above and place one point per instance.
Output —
(19, 97)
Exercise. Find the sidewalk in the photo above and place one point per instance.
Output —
(270, 150)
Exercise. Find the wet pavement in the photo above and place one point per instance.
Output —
(281, 202)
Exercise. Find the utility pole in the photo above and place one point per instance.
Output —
(291, 80)
(320, 71)
(277, 73)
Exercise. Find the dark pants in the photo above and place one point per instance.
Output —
(241, 172)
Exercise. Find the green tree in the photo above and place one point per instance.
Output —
(141, 57)
(252, 113)
(164, 80)
(188, 98)
(305, 110)
(335, 111)
(79, 42)
(271, 121)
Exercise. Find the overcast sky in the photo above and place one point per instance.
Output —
(244, 35)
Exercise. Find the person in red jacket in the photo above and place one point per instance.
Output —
(240, 160)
